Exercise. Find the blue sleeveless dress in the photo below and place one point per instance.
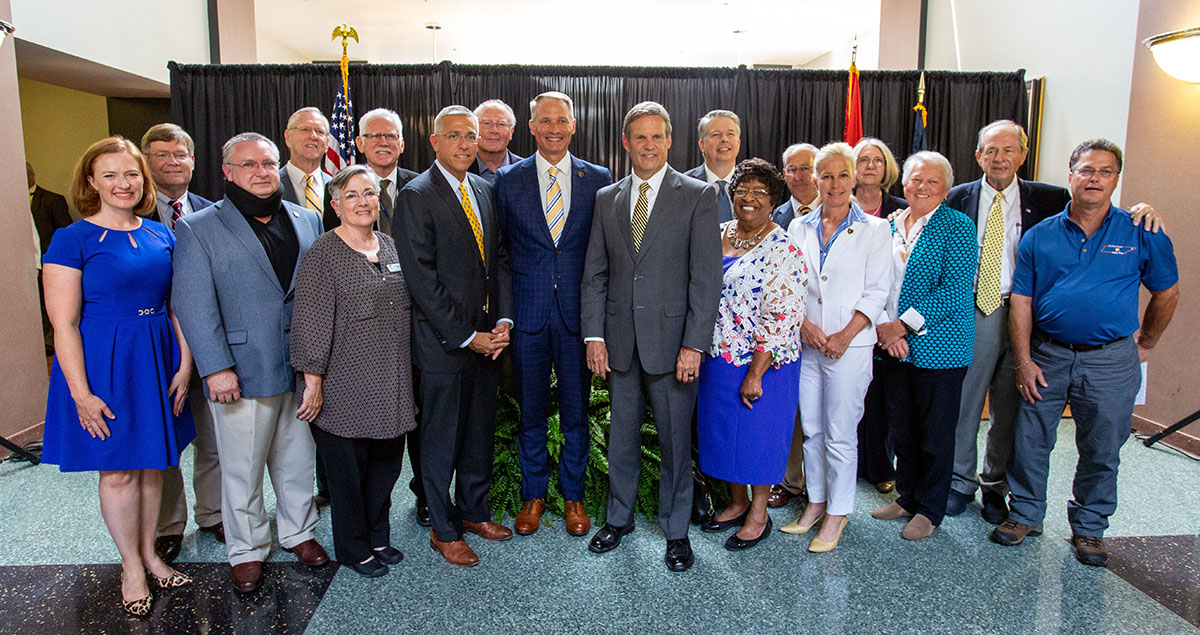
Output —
(129, 351)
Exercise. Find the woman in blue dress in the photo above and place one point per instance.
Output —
(749, 383)
(119, 379)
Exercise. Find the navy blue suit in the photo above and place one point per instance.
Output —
(545, 284)
(1039, 201)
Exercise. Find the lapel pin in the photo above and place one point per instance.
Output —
(296, 214)
(579, 174)
(849, 230)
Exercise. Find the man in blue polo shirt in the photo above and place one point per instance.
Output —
(1076, 340)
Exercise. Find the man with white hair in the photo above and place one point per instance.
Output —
(497, 121)
(800, 176)
(306, 138)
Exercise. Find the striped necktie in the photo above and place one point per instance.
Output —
(641, 213)
(556, 217)
(177, 213)
(472, 220)
(987, 296)
(311, 200)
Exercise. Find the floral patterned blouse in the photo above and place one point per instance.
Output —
(762, 303)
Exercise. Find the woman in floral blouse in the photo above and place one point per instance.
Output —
(749, 382)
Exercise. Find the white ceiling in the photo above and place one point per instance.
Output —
(595, 32)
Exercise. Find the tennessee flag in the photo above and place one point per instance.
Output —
(853, 109)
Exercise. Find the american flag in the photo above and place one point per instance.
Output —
(341, 147)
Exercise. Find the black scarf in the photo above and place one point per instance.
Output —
(251, 205)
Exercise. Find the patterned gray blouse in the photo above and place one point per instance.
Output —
(352, 324)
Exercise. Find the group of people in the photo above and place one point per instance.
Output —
(797, 327)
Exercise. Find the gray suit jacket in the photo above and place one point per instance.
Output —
(665, 295)
(289, 191)
(228, 300)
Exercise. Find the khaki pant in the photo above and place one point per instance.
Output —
(206, 474)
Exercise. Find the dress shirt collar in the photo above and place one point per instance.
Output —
(711, 177)
(298, 176)
(454, 181)
(856, 215)
(655, 180)
(987, 192)
(543, 166)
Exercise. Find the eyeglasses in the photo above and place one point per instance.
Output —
(163, 155)
(253, 166)
(305, 130)
(791, 169)
(350, 198)
(385, 136)
(493, 123)
(757, 192)
(1105, 173)
(455, 137)
(871, 160)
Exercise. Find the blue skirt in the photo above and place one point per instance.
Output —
(738, 444)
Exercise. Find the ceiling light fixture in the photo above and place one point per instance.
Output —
(1177, 53)
(5, 30)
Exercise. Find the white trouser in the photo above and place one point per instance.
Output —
(253, 434)
(831, 403)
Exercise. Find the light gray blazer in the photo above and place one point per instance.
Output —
(664, 296)
(228, 300)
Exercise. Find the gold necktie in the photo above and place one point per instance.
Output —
(474, 222)
(987, 296)
(556, 218)
(310, 194)
(641, 212)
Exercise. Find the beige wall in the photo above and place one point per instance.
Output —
(59, 124)
(23, 364)
(1160, 167)
(899, 35)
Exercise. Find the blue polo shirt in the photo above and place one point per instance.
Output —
(1085, 289)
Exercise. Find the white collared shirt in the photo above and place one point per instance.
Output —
(454, 183)
(564, 180)
(655, 182)
(712, 178)
(297, 177)
(1010, 207)
(162, 205)
(903, 244)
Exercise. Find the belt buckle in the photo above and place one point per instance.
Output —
(149, 311)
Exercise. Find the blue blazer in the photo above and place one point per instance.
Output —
(197, 202)
(542, 274)
(228, 300)
(1039, 201)
(939, 283)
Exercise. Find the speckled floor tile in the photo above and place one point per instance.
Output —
(1167, 568)
(874, 582)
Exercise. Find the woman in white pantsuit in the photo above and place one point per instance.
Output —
(847, 292)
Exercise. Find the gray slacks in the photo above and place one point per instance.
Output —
(991, 375)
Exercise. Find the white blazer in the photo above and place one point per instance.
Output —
(857, 275)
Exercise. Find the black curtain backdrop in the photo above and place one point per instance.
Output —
(777, 107)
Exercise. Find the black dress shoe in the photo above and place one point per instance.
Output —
(702, 502)
(713, 525)
(608, 537)
(679, 554)
(372, 568)
(956, 502)
(733, 543)
(389, 555)
(995, 509)
(167, 547)
(423, 514)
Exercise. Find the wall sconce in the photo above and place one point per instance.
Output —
(1177, 53)
(5, 30)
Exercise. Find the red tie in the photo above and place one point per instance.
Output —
(177, 214)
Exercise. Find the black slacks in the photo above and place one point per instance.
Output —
(922, 408)
(457, 439)
(875, 454)
(360, 476)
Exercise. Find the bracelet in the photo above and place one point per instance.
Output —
(1019, 366)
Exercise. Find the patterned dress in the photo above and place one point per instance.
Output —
(762, 307)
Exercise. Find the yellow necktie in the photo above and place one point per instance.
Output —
(641, 212)
(310, 194)
(474, 222)
(556, 219)
(987, 297)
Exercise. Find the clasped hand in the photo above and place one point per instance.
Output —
(491, 343)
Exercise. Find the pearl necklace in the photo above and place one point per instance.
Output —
(744, 243)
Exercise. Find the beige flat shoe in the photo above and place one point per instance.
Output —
(796, 529)
(891, 511)
(820, 546)
(918, 528)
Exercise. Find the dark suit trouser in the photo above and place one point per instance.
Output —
(362, 474)
(413, 439)
(922, 407)
(875, 454)
(533, 355)
(457, 442)
(673, 403)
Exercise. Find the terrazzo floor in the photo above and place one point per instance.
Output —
(58, 573)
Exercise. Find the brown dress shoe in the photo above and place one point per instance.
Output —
(531, 514)
(310, 552)
(247, 576)
(457, 552)
(488, 530)
(779, 496)
(217, 530)
(885, 487)
(578, 522)
(167, 547)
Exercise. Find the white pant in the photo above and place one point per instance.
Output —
(831, 403)
(253, 434)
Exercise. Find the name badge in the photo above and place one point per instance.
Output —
(394, 267)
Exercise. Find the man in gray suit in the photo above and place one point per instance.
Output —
(651, 286)
(307, 139)
(232, 291)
